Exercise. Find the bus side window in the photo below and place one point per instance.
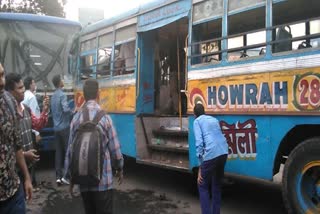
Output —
(246, 36)
(206, 42)
(298, 25)
(315, 29)
(86, 71)
(103, 67)
(119, 62)
(124, 58)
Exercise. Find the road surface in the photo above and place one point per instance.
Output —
(149, 190)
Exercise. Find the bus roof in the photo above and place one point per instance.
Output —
(109, 21)
(153, 5)
(144, 8)
(37, 18)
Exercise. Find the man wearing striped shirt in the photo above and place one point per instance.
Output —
(98, 199)
(27, 120)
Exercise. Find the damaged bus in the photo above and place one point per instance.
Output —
(255, 65)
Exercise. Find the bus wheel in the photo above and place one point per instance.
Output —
(301, 178)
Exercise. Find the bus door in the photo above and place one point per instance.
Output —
(161, 128)
(145, 76)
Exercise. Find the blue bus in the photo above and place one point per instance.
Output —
(38, 46)
(255, 65)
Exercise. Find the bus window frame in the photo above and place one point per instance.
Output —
(92, 67)
(244, 9)
(247, 47)
(100, 33)
(135, 57)
(293, 39)
(111, 29)
(120, 26)
(208, 19)
(243, 50)
(267, 45)
(110, 64)
(219, 39)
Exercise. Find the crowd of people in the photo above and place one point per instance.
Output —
(20, 123)
(21, 120)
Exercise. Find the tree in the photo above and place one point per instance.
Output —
(52, 7)
(44, 7)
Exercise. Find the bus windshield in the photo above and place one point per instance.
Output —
(37, 49)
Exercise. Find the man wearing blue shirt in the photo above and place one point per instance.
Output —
(212, 151)
(61, 115)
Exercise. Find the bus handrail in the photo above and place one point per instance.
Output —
(311, 36)
(247, 47)
(253, 31)
(138, 75)
(186, 66)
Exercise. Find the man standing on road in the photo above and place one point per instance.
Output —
(212, 151)
(30, 97)
(61, 115)
(27, 120)
(31, 101)
(11, 193)
(98, 199)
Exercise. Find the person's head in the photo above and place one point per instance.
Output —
(2, 79)
(57, 81)
(29, 84)
(15, 86)
(198, 110)
(90, 89)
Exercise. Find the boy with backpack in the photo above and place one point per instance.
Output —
(93, 151)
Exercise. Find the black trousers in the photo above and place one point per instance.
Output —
(98, 202)
(61, 141)
(212, 172)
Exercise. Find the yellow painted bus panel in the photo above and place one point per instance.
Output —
(113, 99)
(281, 91)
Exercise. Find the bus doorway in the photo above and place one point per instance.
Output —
(162, 124)
(162, 75)
(169, 77)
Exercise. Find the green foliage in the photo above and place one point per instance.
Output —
(44, 7)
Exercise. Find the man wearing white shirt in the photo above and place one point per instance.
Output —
(31, 101)
(29, 96)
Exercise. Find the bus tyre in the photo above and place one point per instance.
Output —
(301, 178)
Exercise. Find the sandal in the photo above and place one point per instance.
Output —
(36, 189)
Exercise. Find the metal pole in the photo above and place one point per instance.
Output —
(178, 58)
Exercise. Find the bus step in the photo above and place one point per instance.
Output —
(162, 132)
(178, 148)
(181, 166)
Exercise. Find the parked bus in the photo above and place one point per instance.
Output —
(255, 65)
(38, 46)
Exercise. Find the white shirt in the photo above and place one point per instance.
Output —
(31, 101)
(127, 53)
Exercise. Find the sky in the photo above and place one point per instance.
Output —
(111, 7)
